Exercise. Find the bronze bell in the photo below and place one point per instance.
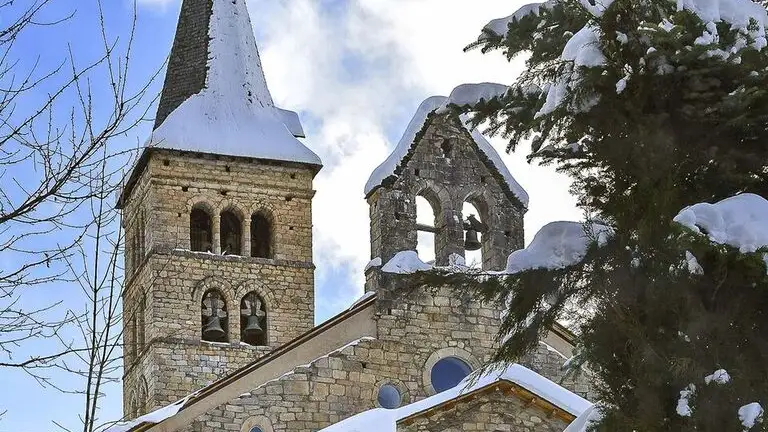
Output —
(213, 330)
(471, 243)
(253, 328)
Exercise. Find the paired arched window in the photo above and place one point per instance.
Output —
(200, 230)
(253, 320)
(214, 317)
(261, 236)
(231, 231)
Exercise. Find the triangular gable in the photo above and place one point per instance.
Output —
(386, 173)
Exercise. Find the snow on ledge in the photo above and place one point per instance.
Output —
(405, 262)
(389, 166)
(234, 114)
(385, 420)
(558, 245)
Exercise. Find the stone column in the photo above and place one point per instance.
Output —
(216, 230)
(246, 240)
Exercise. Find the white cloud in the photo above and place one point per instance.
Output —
(356, 70)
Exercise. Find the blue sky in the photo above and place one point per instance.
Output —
(355, 70)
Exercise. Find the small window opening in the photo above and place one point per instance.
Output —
(227, 169)
(289, 198)
(417, 172)
(261, 236)
(214, 317)
(223, 193)
(389, 396)
(200, 233)
(446, 147)
(474, 231)
(425, 230)
(166, 162)
(185, 188)
(231, 233)
(293, 176)
(253, 320)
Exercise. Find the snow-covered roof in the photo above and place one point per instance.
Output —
(153, 417)
(389, 167)
(385, 420)
(234, 114)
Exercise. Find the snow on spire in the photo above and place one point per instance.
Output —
(233, 114)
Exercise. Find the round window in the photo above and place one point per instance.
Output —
(389, 396)
(448, 373)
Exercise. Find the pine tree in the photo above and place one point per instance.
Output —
(649, 106)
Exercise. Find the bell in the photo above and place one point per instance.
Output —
(213, 330)
(471, 243)
(253, 328)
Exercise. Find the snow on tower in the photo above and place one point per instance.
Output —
(215, 98)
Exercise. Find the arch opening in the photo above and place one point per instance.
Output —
(474, 235)
(200, 232)
(214, 317)
(261, 236)
(253, 320)
(425, 229)
(231, 230)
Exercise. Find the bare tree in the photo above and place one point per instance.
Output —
(62, 153)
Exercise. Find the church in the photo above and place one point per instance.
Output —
(219, 330)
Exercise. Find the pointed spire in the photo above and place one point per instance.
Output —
(188, 62)
(215, 98)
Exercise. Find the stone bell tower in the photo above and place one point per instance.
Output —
(442, 161)
(217, 217)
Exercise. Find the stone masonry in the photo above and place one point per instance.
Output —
(493, 411)
(165, 358)
(413, 333)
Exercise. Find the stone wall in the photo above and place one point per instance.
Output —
(493, 411)
(166, 282)
(414, 332)
(446, 168)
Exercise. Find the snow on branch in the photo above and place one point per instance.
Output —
(740, 221)
(558, 245)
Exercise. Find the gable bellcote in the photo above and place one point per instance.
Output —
(442, 161)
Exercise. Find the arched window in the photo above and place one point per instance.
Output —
(200, 232)
(448, 372)
(253, 320)
(142, 398)
(425, 229)
(214, 320)
(130, 409)
(261, 236)
(474, 231)
(133, 338)
(140, 333)
(231, 230)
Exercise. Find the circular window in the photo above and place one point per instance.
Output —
(448, 373)
(389, 396)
